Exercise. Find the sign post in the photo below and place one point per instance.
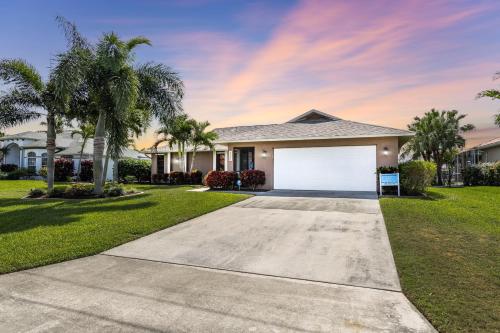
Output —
(389, 179)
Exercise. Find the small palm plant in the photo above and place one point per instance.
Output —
(200, 137)
(86, 132)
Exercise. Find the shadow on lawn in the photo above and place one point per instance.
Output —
(55, 212)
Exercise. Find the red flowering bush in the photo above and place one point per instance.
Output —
(87, 171)
(252, 178)
(176, 178)
(220, 179)
(63, 169)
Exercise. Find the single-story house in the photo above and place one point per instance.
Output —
(488, 151)
(313, 151)
(28, 150)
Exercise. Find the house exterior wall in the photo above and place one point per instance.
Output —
(203, 161)
(266, 163)
(493, 154)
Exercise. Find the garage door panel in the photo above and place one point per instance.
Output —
(350, 168)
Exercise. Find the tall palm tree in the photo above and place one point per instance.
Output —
(493, 94)
(177, 132)
(199, 137)
(436, 134)
(24, 101)
(104, 77)
(86, 132)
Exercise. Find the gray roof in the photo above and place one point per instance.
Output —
(66, 144)
(308, 126)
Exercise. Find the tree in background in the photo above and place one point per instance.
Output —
(177, 132)
(200, 137)
(436, 134)
(493, 94)
(86, 132)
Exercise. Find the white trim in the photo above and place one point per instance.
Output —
(214, 160)
(225, 160)
(169, 159)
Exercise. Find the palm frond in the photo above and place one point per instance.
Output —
(136, 41)
(23, 75)
(73, 36)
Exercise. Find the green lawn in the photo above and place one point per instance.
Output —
(41, 232)
(447, 251)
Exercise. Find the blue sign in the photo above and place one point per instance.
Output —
(389, 179)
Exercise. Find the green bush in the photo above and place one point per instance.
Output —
(8, 167)
(177, 178)
(140, 169)
(416, 176)
(58, 191)
(129, 179)
(87, 171)
(114, 190)
(482, 174)
(387, 169)
(43, 172)
(79, 191)
(17, 174)
(36, 192)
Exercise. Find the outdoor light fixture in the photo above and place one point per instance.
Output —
(264, 153)
(386, 151)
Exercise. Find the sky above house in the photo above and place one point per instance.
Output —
(259, 62)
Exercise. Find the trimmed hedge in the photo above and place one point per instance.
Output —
(482, 174)
(221, 179)
(252, 178)
(87, 170)
(140, 169)
(8, 167)
(416, 176)
(63, 169)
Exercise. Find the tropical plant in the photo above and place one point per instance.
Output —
(58, 124)
(450, 159)
(85, 131)
(493, 94)
(416, 176)
(109, 88)
(436, 133)
(199, 137)
(177, 132)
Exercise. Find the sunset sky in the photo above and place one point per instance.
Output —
(258, 62)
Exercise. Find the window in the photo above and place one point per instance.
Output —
(44, 160)
(219, 161)
(160, 164)
(244, 159)
(32, 161)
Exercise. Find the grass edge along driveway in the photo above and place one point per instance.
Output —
(40, 232)
(447, 250)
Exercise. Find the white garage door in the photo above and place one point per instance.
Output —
(347, 168)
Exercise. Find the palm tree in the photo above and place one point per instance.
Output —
(104, 77)
(23, 102)
(200, 138)
(58, 124)
(177, 132)
(436, 134)
(86, 132)
(493, 94)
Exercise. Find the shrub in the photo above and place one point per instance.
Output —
(17, 174)
(196, 177)
(140, 169)
(87, 170)
(79, 191)
(36, 193)
(177, 178)
(416, 176)
(58, 191)
(8, 167)
(482, 174)
(252, 178)
(387, 169)
(220, 179)
(114, 190)
(129, 179)
(43, 172)
(156, 178)
(63, 168)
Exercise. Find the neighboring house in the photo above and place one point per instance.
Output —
(314, 151)
(28, 150)
(488, 151)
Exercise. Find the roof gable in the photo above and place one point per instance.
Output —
(313, 116)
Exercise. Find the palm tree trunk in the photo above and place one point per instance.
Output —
(106, 163)
(100, 131)
(51, 149)
(81, 157)
(192, 160)
(439, 170)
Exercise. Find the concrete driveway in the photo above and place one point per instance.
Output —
(273, 263)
